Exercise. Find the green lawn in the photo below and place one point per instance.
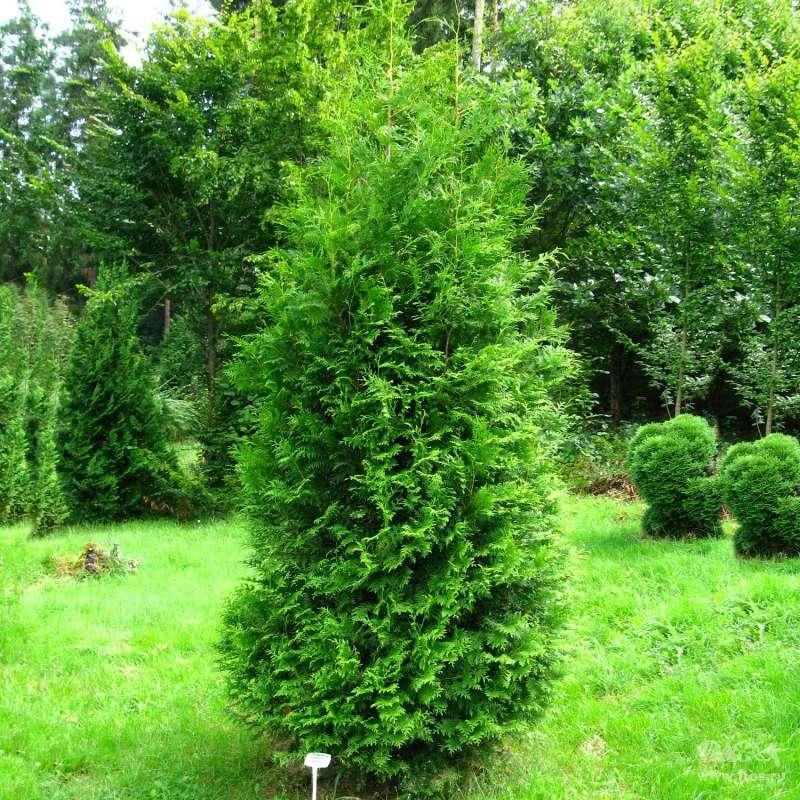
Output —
(681, 681)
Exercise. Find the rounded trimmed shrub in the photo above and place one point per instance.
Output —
(761, 485)
(669, 464)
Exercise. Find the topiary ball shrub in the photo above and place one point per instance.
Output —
(669, 464)
(761, 486)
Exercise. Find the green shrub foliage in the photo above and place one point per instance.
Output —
(14, 474)
(669, 463)
(48, 504)
(14, 470)
(406, 595)
(34, 339)
(761, 486)
(114, 458)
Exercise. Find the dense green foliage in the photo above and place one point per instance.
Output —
(663, 144)
(351, 226)
(667, 164)
(14, 473)
(668, 464)
(761, 486)
(114, 458)
(35, 336)
(406, 596)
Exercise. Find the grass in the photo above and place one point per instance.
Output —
(681, 679)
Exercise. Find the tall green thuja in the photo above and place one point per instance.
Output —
(48, 504)
(406, 594)
(45, 327)
(115, 461)
(14, 472)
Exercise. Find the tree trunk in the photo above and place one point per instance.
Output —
(684, 335)
(477, 33)
(773, 359)
(167, 316)
(615, 383)
(211, 351)
(681, 368)
(495, 15)
(773, 371)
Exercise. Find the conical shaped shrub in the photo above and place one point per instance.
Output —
(48, 504)
(405, 602)
(114, 458)
(14, 384)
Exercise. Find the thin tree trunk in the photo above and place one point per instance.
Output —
(477, 33)
(211, 322)
(679, 399)
(211, 351)
(615, 383)
(773, 371)
(773, 359)
(495, 15)
(681, 368)
(167, 316)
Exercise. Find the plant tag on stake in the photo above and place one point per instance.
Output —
(316, 761)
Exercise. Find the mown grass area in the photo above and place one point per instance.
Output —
(681, 680)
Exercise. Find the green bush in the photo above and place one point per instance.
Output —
(48, 504)
(35, 335)
(14, 395)
(181, 362)
(114, 458)
(668, 463)
(14, 468)
(406, 594)
(761, 486)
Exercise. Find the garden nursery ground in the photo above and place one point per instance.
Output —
(681, 679)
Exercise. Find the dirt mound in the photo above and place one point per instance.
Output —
(617, 486)
(93, 561)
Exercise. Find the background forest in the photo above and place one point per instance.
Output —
(661, 140)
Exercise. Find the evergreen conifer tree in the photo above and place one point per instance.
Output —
(114, 458)
(46, 330)
(14, 472)
(406, 596)
(48, 504)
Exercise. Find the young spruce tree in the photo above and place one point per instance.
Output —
(114, 458)
(404, 608)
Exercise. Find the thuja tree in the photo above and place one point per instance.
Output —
(406, 594)
(14, 472)
(47, 330)
(115, 461)
(34, 339)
